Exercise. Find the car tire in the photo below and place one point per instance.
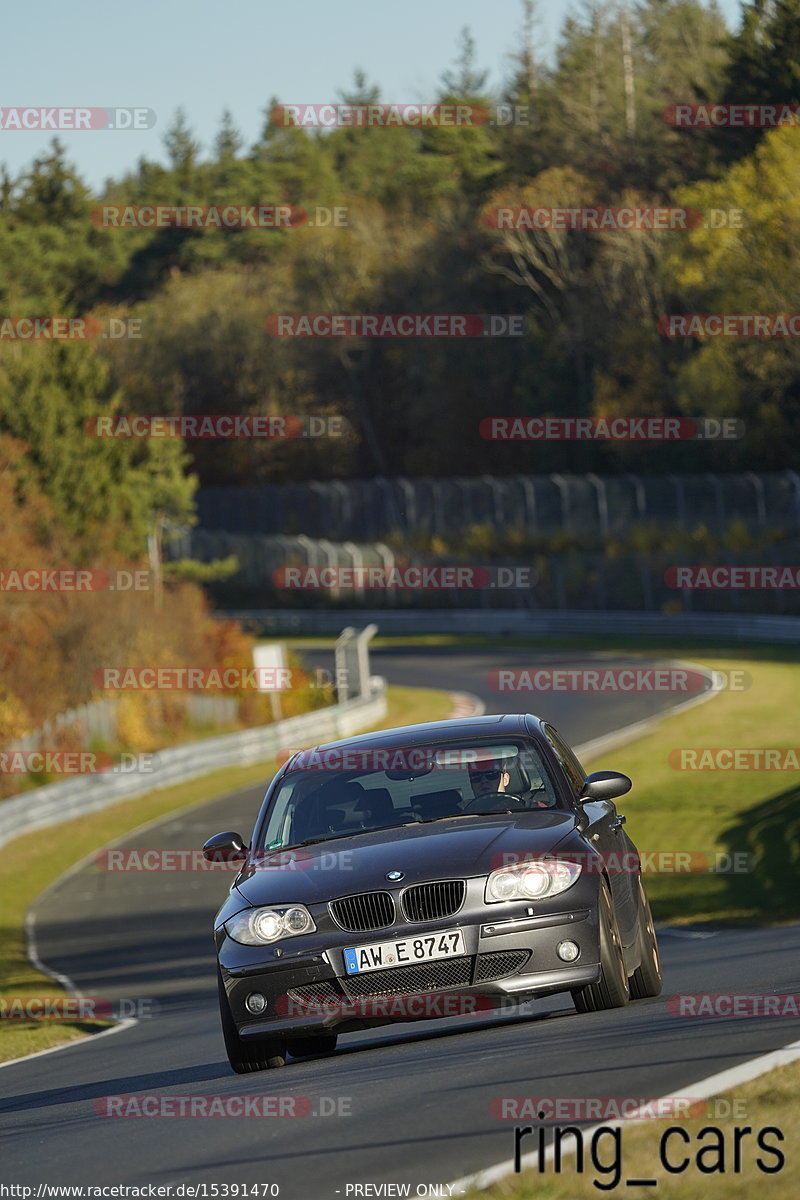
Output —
(247, 1054)
(611, 989)
(299, 1047)
(646, 980)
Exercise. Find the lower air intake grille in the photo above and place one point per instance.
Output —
(500, 963)
(315, 993)
(400, 981)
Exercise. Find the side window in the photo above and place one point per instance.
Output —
(572, 768)
(534, 777)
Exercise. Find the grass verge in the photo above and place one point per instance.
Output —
(769, 1101)
(721, 812)
(28, 865)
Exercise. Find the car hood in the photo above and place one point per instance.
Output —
(460, 847)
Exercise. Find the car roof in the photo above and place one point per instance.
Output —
(497, 725)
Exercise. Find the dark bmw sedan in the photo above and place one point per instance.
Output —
(430, 870)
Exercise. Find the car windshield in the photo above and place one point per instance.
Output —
(339, 793)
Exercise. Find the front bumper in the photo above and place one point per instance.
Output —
(509, 956)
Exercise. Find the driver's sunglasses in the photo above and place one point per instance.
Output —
(494, 773)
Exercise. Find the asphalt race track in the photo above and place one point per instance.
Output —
(408, 1103)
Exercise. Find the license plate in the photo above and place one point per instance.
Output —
(380, 955)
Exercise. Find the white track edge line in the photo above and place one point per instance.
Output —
(86, 1040)
(751, 1069)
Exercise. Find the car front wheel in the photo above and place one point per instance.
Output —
(646, 979)
(611, 989)
(247, 1054)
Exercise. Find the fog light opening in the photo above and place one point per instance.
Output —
(568, 951)
(255, 1003)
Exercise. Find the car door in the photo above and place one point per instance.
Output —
(606, 834)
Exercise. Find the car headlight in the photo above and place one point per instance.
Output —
(262, 926)
(535, 880)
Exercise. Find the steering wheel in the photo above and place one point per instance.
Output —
(490, 802)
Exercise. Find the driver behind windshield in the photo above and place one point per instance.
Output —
(487, 777)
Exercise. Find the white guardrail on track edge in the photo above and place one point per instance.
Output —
(58, 802)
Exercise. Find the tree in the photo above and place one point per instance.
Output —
(470, 149)
(763, 67)
(601, 109)
(51, 192)
(228, 141)
(751, 269)
(54, 259)
(105, 491)
(465, 80)
(528, 145)
(681, 54)
(184, 153)
(550, 263)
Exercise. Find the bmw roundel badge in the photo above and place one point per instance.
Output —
(395, 875)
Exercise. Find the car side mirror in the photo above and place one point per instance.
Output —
(605, 785)
(225, 847)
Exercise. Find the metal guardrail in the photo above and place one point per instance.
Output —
(729, 626)
(318, 573)
(369, 509)
(58, 802)
(100, 718)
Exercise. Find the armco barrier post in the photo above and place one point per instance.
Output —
(363, 638)
(342, 664)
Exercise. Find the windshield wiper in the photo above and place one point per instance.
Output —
(490, 812)
(333, 837)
